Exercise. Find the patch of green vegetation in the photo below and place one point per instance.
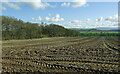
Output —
(99, 32)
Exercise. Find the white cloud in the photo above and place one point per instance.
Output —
(56, 19)
(75, 3)
(12, 5)
(109, 22)
(88, 19)
(99, 19)
(35, 4)
(112, 18)
(75, 21)
(57, 16)
(49, 19)
(20, 0)
(33, 19)
(62, 19)
(65, 4)
(30, 0)
(49, 14)
(75, 24)
(79, 3)
(39, 18)
(39, 5)
(3, 8)
(88, 23)
(52, 19)
(116, 15)
(96, 20)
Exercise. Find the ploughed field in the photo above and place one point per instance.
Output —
(61, 54)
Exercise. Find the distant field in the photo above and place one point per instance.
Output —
(99, 32)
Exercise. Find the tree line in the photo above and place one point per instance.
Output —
(13, 28)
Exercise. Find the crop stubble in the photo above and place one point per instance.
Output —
(61, 54)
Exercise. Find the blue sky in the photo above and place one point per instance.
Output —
(67, 14)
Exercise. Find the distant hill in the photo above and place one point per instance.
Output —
(83, 29)
(108, 28)
(98, 29)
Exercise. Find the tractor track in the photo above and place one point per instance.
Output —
(87, 54)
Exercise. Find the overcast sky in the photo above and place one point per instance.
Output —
(68, 14)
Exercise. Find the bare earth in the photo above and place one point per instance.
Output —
(61, 54)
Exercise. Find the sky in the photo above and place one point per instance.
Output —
(68, 14)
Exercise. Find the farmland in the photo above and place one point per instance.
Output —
(101, 32)
(61, 54)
